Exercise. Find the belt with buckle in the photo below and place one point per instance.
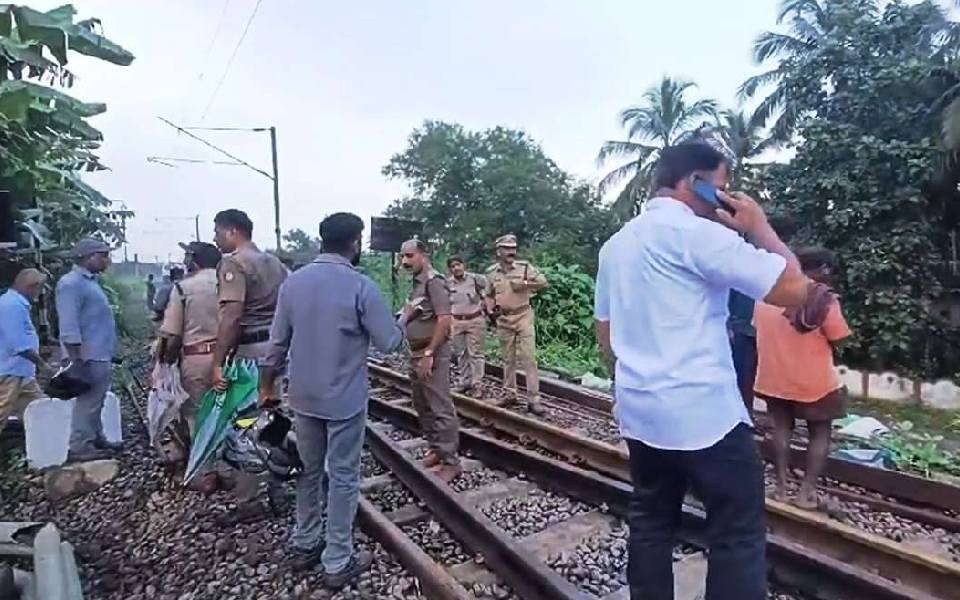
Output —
(199, 348)
(469, 317)
(514, 311)
(418, 345)
(254, 337)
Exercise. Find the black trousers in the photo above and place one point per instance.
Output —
(744, 349)
(728, 478)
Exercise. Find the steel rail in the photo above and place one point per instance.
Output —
(529, 577)
(903, 486)
(873, 564)
(436, 582)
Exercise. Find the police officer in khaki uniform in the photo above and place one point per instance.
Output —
(469, 328)
(510, 284)
(248, 283)
(189, 329)
(188, 335)
(427, 319)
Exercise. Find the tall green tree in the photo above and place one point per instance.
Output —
(810, 27)
(665, 117)
(45, 139)
(470, 187)
(860, 182)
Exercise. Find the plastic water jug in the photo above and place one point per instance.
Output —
(47, 426)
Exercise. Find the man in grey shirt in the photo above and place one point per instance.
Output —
(327, 316)
(88, 337)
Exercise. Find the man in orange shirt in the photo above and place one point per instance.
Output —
(795, 371)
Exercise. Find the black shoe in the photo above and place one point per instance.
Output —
(303, 559)
(103, 444)
(359, 563)
(88, 455)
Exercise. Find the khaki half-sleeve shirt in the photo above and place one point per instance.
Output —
(433, 289)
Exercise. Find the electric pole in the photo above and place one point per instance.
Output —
(234, 161)
(276, 185)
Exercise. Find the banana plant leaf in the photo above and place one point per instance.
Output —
(218, 411)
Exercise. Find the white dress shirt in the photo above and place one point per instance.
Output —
(663, 284)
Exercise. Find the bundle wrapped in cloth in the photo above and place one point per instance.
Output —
(810, 315)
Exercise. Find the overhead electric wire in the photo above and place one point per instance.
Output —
(217, 148)
(233, 56)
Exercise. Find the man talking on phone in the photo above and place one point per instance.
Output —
(661, 310)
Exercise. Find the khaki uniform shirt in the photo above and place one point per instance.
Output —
(466, 295)
(194, 316)
(432, 288)
(506, 287)
(252, 277)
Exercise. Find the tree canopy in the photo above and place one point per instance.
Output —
(470, 187)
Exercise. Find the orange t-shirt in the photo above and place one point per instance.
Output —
(793, 365)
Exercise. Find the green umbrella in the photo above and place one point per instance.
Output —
(219, 409)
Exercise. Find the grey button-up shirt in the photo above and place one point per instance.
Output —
(327, 316)
(85, 315)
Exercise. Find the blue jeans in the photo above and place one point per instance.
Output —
(728, 478)
(334, 489)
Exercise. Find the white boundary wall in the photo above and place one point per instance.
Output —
(941, 394)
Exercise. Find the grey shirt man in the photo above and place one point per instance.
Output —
(85, 316)
(327, 316)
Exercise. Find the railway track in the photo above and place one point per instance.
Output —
(535, 527)
(921, 492)
(805, 547)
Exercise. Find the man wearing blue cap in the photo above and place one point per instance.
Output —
(88, 337)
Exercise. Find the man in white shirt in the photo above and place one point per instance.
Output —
(661, 309)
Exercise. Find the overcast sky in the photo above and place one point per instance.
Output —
(346, 82)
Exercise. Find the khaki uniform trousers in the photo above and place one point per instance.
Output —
(195, 372)
(434, 406)
(469, 339)
(15, 394)
(519, 344)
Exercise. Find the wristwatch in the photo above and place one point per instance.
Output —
(428, 352)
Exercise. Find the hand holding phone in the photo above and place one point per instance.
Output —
(709, 193)
(747, 216)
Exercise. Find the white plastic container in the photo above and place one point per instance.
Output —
(47, 427)
(110, 417)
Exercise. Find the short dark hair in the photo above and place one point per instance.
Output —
(176, 273)
(339, 230)
(814, 257)
(205, 255)
(454, 259)
(149, 276)
(677, 162)
(237, 219)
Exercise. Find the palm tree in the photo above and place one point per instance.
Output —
(809, 21)
(742, 136)
(664, 118)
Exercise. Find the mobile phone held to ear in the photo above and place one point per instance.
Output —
(708, 192)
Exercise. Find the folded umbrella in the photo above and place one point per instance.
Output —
(219, 409)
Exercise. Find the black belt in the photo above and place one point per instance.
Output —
(254, 337)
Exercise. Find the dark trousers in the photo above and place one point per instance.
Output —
(728, 478)
(744, 349)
